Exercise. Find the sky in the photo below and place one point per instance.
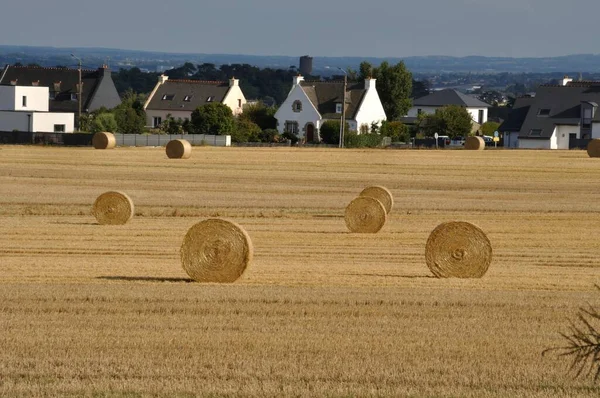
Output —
(372, 28)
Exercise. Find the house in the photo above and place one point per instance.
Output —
(310, 103)
(26, 108)
(98, 89)
(179, 98)
(558, 116)
(511, 126)
(438, 99)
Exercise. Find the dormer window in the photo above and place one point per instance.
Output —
(210, 99)
(168, 97)
(187, 98)
(297, 106)
(338, 108)
(544, 112)
(535, 133)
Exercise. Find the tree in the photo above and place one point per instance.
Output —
(212, 118)
(398, 131)
(245, 131)
(261, 115)
(394, 86)
(452, 120)
(104, 122)
(489, 128)
(130, 115)
(330, 132)
(171, 125)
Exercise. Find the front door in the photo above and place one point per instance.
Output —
(310, 132)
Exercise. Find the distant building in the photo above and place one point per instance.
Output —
(306, 65)
(25, 108)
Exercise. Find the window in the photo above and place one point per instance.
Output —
(586, 120)
(480, 117)
(291, 127)
(338, 108)
(239, 103)
(168, 97)
(73, 97)
(187, 98)
(156, 121)
(59, 128)
(297, 106)
(535, 133)
(24, 101)
(544, 112)
(210, 98)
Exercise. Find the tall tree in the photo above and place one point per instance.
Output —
(130, 115)
(394, 85)
(213, 118)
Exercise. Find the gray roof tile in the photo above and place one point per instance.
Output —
(449, 97)
(187, 95)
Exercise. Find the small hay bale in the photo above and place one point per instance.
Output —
(382, 194)
(475, 144)
(216, 250)
(593, 148)
(179, 149)
(104, 141)
(458, 249)
(365, 215)
(113, 208)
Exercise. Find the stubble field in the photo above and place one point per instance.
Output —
(91, 310)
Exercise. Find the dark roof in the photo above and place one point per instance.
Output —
(562, 105)
(325, 96)
(517, 115)
(187, 95)
(98, 87)
(449, 97)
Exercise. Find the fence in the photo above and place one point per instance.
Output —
(163, 139)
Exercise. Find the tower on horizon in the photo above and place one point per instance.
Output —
(306, 65)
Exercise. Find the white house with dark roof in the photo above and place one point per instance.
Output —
(438, 99)
(309, 104)
(179, 98)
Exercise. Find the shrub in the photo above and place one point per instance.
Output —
(354, 140)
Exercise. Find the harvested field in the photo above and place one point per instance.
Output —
(101, 310)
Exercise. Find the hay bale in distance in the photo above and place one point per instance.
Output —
(593, 148)
(475, 144)
(179, 149)
(216, 250)
(365, 215)
(104, 141)
(113, 208)
(458, 249)
(382, 194)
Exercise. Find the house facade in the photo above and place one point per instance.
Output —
(27, 109)
(438, 99)
(310, 104)
(97, 90)
(179, 98)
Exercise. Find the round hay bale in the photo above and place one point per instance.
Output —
(365, 215)
(382, 194)
(475, 143)
(179, 149)
(104, 141)
(593, 148)
(216, 250)
(458, 249)
(113, 208)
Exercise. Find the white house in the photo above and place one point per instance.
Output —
(309, 104)
(438, 99)
(26, 108)
(179, 98)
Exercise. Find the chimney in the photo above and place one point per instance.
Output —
(14, 82)
(103, 70)
(233, 82)
(566, 80)
(370, 83)
(298, 79)
(36, 83)
(163, 78)
(57, 86)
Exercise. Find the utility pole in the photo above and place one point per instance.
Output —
(343, 124)
(79, 90)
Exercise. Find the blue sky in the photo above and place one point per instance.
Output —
(379, 28)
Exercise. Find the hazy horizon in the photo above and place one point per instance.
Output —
(384, 29)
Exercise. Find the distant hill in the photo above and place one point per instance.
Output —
(160, 61)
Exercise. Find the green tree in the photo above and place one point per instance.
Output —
(104, 122)
(260, 115)
(171, 125)
(452, 120)
(130, 115)
(398, 131)
(330, 131)
(489, 128)
(394, 85)
(245, 131)
(212, 118)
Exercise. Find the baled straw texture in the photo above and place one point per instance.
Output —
(104, 141)
(216, 250)
(179, 149)
(365, 215)
(113, 208)
(458, 249)
(475, 143)
(593, 148)
(382, 194)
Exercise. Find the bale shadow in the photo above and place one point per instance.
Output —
(396, 276)
(74, 223)
(145, 279)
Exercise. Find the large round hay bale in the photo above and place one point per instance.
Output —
(475, 143)
(365, 215)
(216, 250)
(458, 250)
(593, 148)
(113, 208)
(104, 141)
(382, 194)
(179, 149)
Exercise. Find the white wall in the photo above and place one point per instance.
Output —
(562, 135)
(414, 111)
(45, 121)
(309, 113)
(525, 143)
(11, 98)
(234, 94)
(371, 109)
